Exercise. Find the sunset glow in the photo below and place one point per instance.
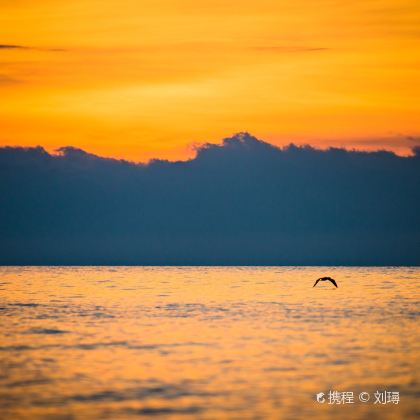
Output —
(148, 79)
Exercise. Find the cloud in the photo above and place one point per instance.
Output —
(243, 201)
(6, 80)
(25, 47)
(11, 47)
(289, 49)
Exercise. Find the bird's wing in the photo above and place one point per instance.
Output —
(333, 282)
(316, 282)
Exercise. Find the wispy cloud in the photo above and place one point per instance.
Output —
(11, 47)
(26, 47)
(6, 80)
(289, 49)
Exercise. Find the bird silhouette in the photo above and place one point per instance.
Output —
(324, 279)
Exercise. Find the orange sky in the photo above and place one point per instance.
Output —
(148, 78)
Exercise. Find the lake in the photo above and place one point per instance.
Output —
(209, 342)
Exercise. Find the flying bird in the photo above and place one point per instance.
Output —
(324, 279)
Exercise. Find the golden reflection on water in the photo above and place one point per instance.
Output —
(206, 342)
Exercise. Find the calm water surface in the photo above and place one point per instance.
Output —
(206, 343)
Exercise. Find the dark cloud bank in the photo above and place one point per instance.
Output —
(243, 202)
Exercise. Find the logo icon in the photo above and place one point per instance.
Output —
(320, 397)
